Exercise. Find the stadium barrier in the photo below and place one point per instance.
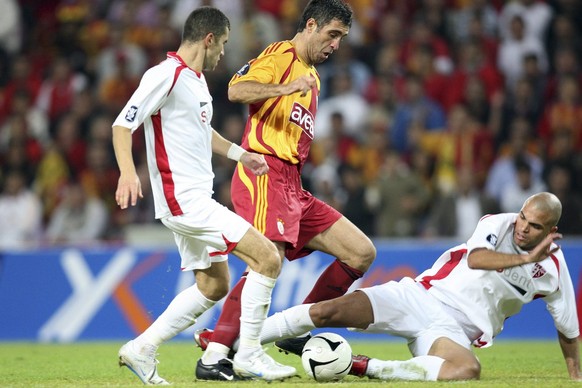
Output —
(112, 293)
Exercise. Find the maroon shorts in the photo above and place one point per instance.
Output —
(279, 207)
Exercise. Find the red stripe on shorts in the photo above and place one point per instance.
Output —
(229, 248)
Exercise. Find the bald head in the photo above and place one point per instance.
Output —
(548, 204)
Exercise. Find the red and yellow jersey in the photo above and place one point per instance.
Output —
(280, 126)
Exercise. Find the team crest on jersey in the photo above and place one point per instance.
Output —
(303, 118)
(131, 113)
(538, 271)
(243, 70)
(280, 226)
(492, 239)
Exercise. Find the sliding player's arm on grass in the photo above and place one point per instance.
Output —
(571, 352)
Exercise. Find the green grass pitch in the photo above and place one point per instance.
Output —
(94, 364)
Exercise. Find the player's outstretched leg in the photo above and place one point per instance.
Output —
(333, 283)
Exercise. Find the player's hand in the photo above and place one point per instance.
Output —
(574, 371)
(303, 85)
(128, 190)
(544, 248)
(255, 162)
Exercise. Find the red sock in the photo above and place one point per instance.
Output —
(228, 326)
(333, 282)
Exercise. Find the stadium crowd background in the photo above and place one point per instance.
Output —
(431, 114)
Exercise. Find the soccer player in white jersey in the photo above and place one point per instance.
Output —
(175, 107)
(510, 260)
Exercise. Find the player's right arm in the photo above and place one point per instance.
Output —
(146, 99)
(129, 185)
(482, 258)
(248, 92)
(571, 352)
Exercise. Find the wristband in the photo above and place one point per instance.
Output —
(235, 152)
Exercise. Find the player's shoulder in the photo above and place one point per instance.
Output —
(277, 48)
(559, 253)
(557, 260)
(162, 69)
(165, 73)
(499, 218)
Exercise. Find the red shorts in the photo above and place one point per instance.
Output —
(279, 207)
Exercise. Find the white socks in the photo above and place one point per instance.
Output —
(214, 353)
(422, 368)
(178, 316)
(255, 302)
(292, 322)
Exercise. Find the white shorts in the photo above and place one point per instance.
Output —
(406, 309)
(207, 235)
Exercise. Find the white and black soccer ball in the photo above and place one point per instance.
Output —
(327, 357)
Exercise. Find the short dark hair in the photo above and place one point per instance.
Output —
(324, 11)
(202, 21)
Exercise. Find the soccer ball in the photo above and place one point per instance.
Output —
(327, 357)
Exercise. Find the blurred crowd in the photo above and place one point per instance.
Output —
(432, 113)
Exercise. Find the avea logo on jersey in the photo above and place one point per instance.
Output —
(303, 118)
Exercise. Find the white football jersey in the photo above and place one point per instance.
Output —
(174, 105)
(488, 297)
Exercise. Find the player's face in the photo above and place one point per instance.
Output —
(215, 51)
(531, 227)
(325, 40)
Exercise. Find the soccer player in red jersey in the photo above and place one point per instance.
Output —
(281, 88)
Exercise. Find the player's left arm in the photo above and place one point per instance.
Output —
(562, 306)
(571, 352)
(251, 160)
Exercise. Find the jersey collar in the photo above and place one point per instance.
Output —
(174, 55)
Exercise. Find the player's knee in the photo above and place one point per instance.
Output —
(369, 254)
(474, 370)
(364, 255)
(216, 291)
(220, 292)
(269, 262)
(469, 370)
